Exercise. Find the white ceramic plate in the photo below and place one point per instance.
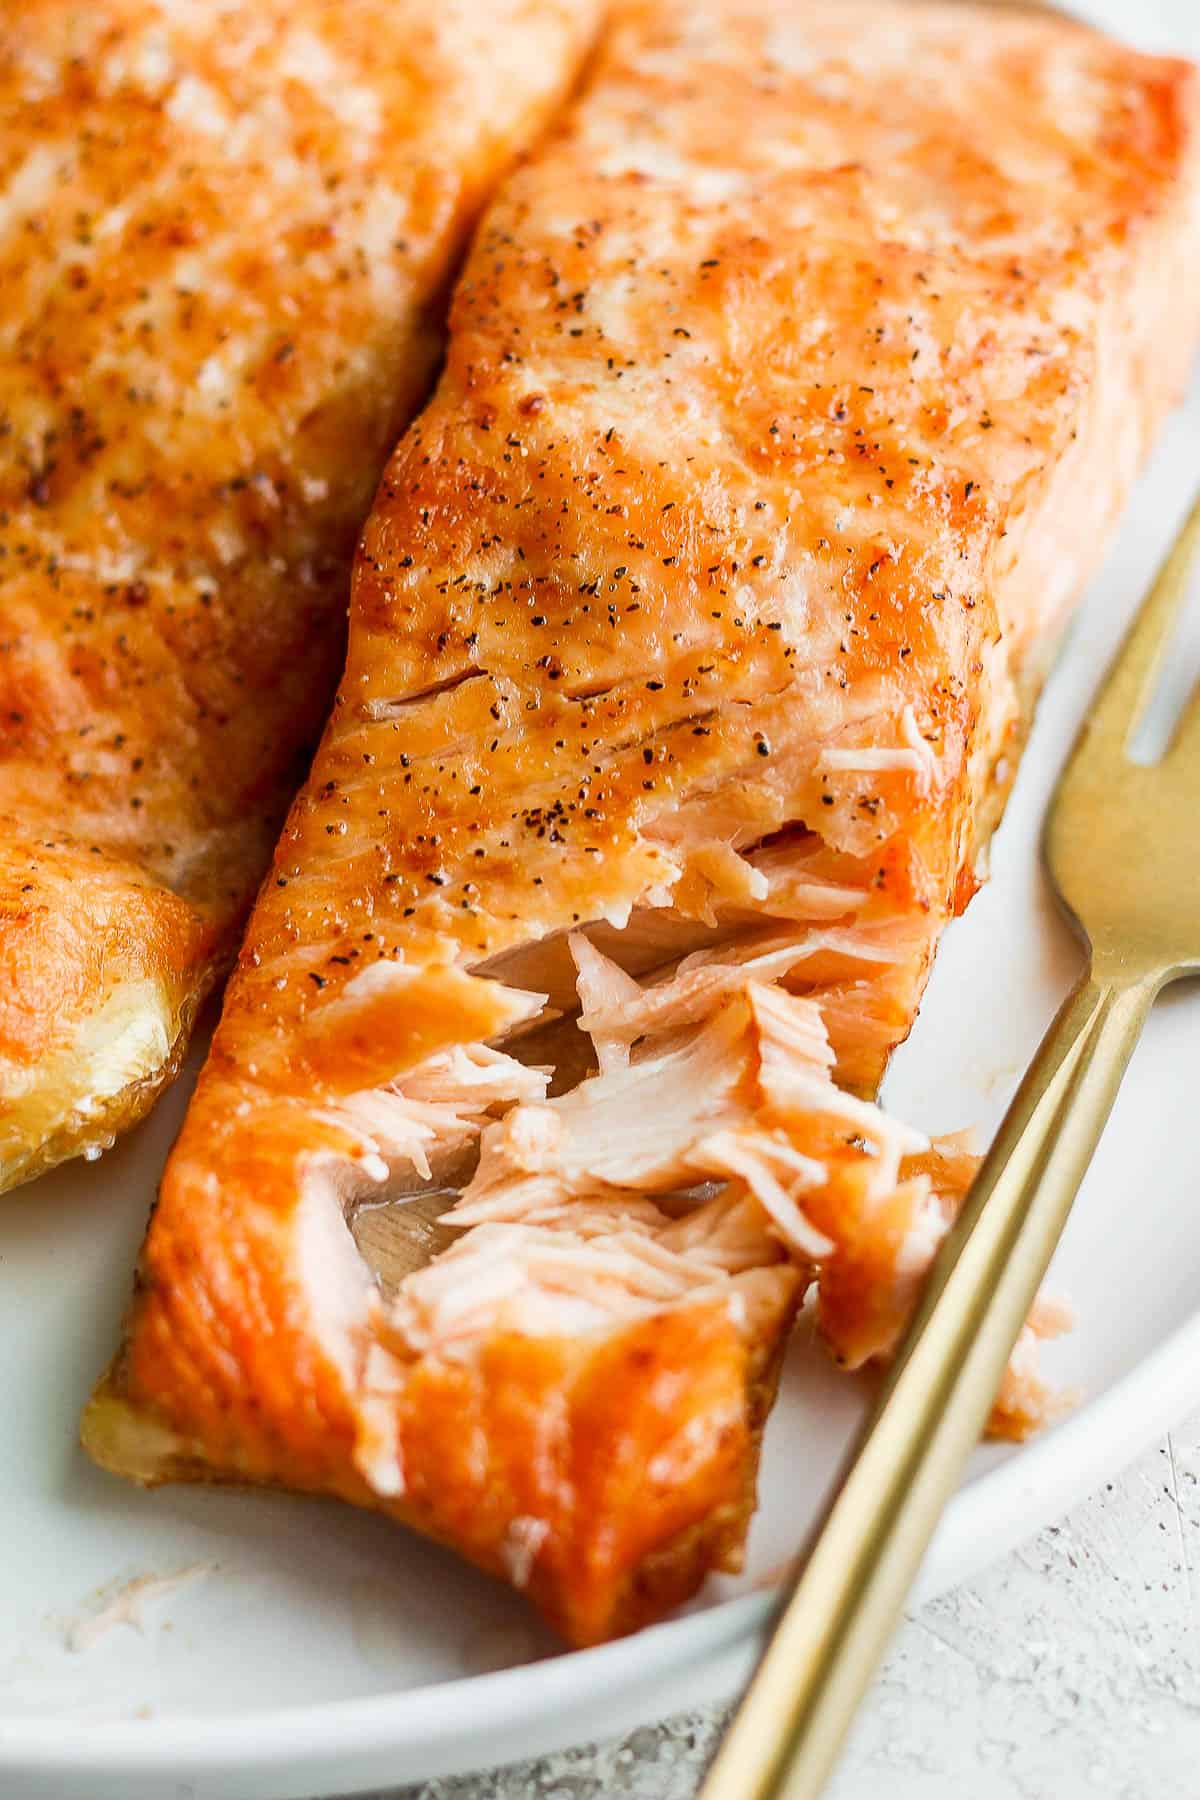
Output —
(323, 1652)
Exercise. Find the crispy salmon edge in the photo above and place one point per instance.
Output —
(131, 1442)
(92, 1126)
(64, 1104)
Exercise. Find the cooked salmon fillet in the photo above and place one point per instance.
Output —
(790, 395)
(225, 234)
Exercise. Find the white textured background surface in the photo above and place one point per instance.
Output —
(1069, 1671)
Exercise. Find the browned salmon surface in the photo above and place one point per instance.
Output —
(791, 392)
(225, 237)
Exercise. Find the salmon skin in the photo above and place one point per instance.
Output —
(790, 395)
(225, 237)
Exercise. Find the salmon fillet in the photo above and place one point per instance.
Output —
(791, 392)
(225, 237)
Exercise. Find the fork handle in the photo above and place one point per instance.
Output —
(844, 1604)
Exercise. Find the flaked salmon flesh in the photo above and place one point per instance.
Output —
(225, 236)
(791, 390)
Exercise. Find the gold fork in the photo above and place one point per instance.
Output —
(1122, 848)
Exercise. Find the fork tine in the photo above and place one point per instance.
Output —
(1122, 699)
(1184, 748)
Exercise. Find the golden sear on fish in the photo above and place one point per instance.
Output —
(225, 234)
(779, 425)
